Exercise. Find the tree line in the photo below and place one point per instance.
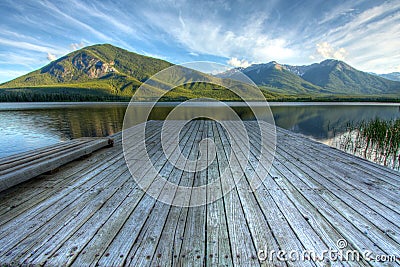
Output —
(23, 96)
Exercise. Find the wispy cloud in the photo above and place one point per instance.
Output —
(13, 34)
(370, 38)
(208, 37)
(21, 58)
(49, 5)
(27, 46)
(6, 75)
(75, 46)
(113, 15)
(154, 55)
(364, 33)
(338, 12)
(15, 73)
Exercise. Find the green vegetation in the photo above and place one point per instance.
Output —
(394, 76)
(339, 78)
(96, 73)
(278, 80)
(108, 73)
(376, 140)
(57, 94)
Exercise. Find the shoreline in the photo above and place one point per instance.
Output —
(229, 103)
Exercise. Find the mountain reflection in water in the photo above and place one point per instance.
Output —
(25, 126)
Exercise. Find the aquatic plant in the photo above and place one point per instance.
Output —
(376, 140)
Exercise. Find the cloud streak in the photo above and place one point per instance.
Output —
(27, 46)
(54, 9)
(208, 37)
(76, 46)
(370, 38)
(363, 33)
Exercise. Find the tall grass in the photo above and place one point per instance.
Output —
(376, 140)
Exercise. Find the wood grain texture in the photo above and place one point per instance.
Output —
(93, 213)
(20, 168)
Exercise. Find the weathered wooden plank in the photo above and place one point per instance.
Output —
(318, 203)
(358, 209)
(39, 225)
(93, 213)
(63, 198)
(65, 252)
(31, 153)
(353, 176)
(83, 241)
(280, 228)
(68, 239)
(285, 235)
(122, 244)
(75, 214)
(91, 252)
(192, 251)
(323, 169)
(156, 225)
(18, 174)
(240, 239)
(357, 163)
(169, 244)
(261, 231)
(375, 198)
(323, 227)
(73, 186)
(27, 195)
(350, 210)
(217, 239)
(17, 163)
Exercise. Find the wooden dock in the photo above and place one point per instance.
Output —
(24, 166)
(91, 212)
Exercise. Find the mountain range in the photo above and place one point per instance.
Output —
(330, 77)
(105, 72)
(394, 76)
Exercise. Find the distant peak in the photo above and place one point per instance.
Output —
(334, 63)
(330, 62)
(100, 45)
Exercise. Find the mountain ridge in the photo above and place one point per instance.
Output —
(104, 72)
(329, 77)
(394, 76)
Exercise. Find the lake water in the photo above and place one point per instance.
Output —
(25, 126)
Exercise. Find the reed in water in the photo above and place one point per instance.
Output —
(377, 140)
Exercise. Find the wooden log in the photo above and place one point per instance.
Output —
(18, 174)
(92, 212)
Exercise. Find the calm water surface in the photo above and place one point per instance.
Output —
(25, 126)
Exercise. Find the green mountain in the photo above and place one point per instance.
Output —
(102, 71)
(394, 76)
(328, 80)
(108, 73)
(276, 78)
(339, 78)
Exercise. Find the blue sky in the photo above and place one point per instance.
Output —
(365, 34)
